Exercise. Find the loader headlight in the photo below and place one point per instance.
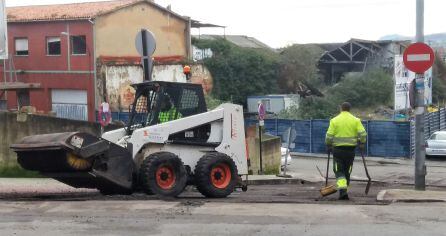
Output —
(76, 141)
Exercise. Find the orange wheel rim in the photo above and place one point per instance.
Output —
(221, 176)
(165, 177)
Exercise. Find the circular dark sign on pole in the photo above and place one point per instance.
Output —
(149, 42)
(418, 57)
(145, 45)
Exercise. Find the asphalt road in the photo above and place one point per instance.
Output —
(47, 207)
(394, 171)
(303, 192)
(155, 217)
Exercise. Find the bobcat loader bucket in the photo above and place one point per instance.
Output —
(78, 159)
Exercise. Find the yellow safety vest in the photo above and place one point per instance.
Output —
(345, 130)
(169, 115)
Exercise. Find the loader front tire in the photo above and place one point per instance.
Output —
(216, 175)
(164, 174)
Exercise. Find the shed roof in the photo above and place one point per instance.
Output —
(74, 11)
(239, 40)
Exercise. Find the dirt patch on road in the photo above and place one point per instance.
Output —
(302, 192)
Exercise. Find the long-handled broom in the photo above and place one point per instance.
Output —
(327, 190)
(369, 180)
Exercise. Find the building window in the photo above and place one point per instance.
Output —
(53, 46)
(78, 45)
(21, 47)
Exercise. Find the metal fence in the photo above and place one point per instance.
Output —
(433, 122)
(389, 139)
(71, 111)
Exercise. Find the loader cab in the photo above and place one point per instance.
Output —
(155, 98)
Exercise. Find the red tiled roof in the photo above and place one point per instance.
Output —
(72, 11)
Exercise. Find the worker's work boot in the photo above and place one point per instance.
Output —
(343, 194)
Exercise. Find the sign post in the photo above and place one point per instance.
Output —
(145, 45)
(261, 111)
(419, 57)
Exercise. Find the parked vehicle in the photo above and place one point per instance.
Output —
(436, 144)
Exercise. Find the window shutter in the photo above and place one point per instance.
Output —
(21, 44)
(53, 39)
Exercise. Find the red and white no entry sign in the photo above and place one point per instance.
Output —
(418, 57)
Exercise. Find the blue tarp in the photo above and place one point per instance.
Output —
(387, 139)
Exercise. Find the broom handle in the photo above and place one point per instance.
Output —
(365, 166)
(328, 166)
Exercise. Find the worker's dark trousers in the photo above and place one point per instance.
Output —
(343, 158)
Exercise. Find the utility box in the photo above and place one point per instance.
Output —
(273, 103)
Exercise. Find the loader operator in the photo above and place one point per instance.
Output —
(344, 133)
(168, 112)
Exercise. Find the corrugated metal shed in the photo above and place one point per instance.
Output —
(239, 40)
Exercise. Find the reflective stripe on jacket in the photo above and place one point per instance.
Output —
(169, 115)
(345, 130)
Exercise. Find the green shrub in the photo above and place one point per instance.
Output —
(240, 72)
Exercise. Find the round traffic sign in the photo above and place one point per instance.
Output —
(418, 57)
(150, 42)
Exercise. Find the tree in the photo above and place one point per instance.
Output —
(212, 102)
(362, 90)
(438, 81)
(298, 70)
(311, 108)
(374, 87)
(240, 72)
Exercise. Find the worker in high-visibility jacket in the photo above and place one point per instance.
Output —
(168, 112)
(343, 135)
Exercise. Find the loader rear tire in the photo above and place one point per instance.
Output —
(216, 175)
(164, 174)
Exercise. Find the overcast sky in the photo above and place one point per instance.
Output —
(282, 22)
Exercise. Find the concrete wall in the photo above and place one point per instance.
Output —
(174, 73)
(171, 73)
(15, 126)
(120, 94)
(271, 154)
(116, 32)
(118, 79)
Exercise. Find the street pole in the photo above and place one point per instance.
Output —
(261, 113)
(145, 55)
(261, 122)
(420, 167)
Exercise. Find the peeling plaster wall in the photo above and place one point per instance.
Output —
(116, 79)
(201, 75)
(171, 73)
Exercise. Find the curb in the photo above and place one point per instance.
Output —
(381, 197)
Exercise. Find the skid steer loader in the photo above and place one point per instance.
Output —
(170, 141)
